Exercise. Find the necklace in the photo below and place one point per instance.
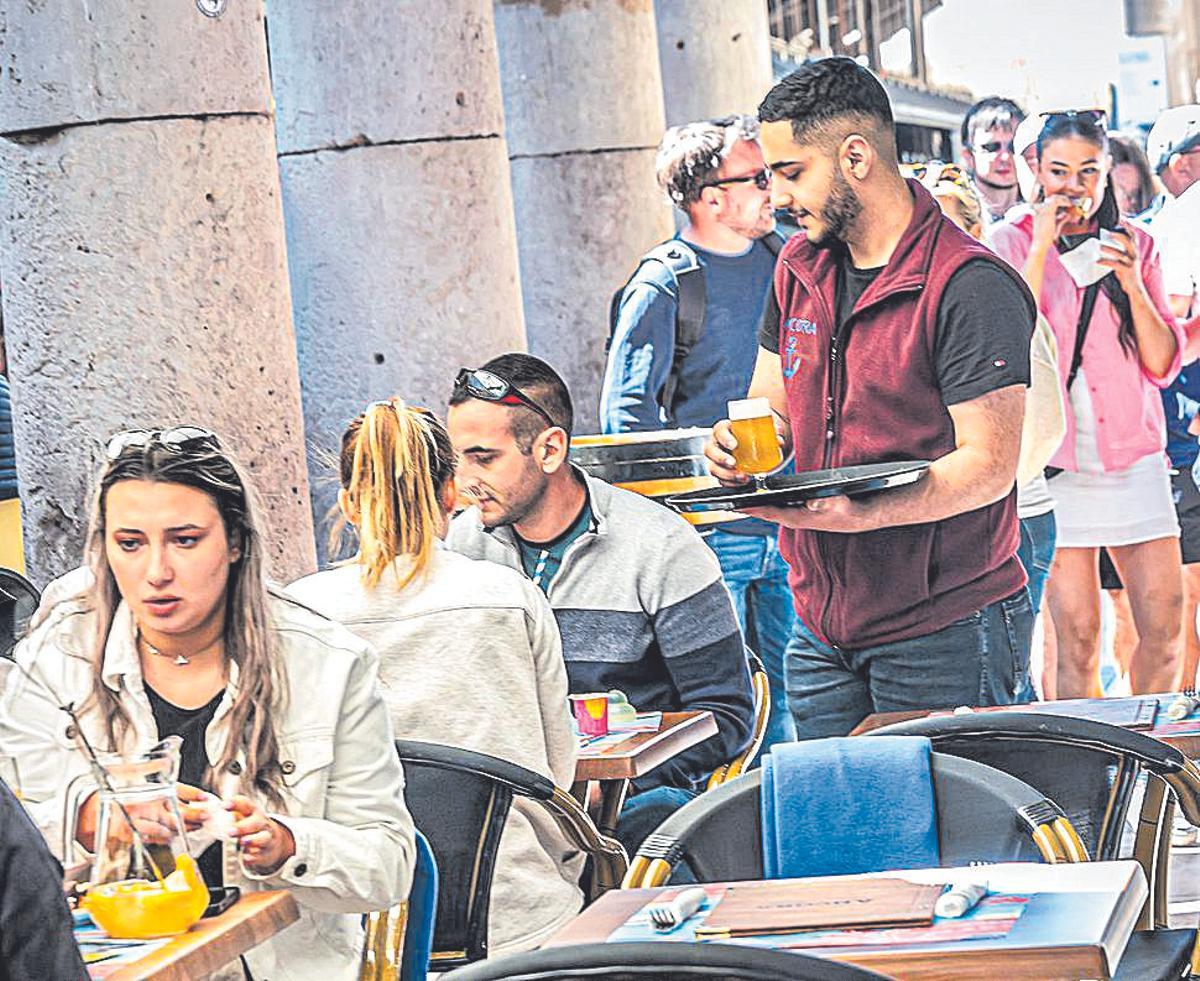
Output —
(178, 658)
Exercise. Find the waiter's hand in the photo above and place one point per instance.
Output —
(719, 451)
(838, 513)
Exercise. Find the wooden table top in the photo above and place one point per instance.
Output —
(214, 943)
(1077, 924)
(1183, 736)
(641, 752)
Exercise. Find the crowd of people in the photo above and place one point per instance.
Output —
(1011, 319)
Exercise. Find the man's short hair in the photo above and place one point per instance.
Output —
(542, 384)
(995, 110)
(690, 155)
(818, 97)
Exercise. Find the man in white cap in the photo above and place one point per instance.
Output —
(1173, 148)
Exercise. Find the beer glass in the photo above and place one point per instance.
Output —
(753, 425)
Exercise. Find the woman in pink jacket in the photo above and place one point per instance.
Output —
(1097, 279)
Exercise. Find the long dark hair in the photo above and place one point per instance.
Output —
(1090, 127)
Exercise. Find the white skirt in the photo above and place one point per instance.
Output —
(1124, 507)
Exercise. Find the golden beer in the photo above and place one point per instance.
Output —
(753, 427)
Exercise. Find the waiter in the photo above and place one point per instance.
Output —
(893, 336)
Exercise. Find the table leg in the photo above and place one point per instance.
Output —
(612, 798)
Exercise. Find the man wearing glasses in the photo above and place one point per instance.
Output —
(988, 130)
(684, 343)
(638, 598)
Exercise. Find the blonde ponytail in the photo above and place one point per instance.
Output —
(395, 462)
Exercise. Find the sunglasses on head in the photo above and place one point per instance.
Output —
(762, 180)
(1097, 117)
(178, 438)
(479, 383)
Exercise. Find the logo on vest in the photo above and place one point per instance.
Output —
(798, 336)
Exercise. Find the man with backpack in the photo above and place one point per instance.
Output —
(683, 341)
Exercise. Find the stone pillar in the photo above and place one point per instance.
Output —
(715, 57)
(142, 254)
(398, 205)
(583, 106)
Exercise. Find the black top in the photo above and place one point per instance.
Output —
(190, 725)
(971, 356)
(35, 923)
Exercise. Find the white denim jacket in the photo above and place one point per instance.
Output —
(343, 783)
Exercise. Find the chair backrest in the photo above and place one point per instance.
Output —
(979, 812)
(651, 961)
(460, 800)
(1089, 768)
(761, 686)
(19, 599)
(399, 941)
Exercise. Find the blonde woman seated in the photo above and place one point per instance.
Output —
(469, 651)
(174, 632)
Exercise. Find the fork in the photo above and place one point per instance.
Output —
(667, 916)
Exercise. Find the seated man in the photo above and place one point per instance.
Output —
(638, 596)
(35, 923)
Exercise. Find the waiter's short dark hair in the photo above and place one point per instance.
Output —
(823, 94)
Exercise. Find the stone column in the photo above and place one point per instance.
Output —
(715, 57)
(398, 204)
(142, 253)
(583, 105)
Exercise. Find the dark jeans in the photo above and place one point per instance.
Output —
(1036, 553)
(982, 659)
(756, 576)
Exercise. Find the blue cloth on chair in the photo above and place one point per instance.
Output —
(843, 806)
(422, 910)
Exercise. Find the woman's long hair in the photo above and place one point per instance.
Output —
(1091, 128)
(248, 636)
(395, 463)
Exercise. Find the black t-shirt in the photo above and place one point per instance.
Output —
(981, 340)
(190, 726)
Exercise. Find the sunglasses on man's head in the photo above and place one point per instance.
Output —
(178, 438)
(479, 383)
(762, 180)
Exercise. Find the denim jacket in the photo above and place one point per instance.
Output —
(343, 786)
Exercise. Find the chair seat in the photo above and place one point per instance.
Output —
(1157, 955)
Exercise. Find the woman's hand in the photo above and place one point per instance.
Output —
(264, 843)
(189, 796)
(153, 821)
(1121, 256)
(1049, 217)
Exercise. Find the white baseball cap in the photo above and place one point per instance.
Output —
(1176, 130)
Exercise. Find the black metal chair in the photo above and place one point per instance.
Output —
(1091, 770)
(983, 815)
(19, 599)
(460, 800)
(650, 961)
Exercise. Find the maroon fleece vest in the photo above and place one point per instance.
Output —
(870, 395)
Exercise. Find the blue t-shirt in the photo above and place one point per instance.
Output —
(718, 367)
(1181, 401)
(542, 560)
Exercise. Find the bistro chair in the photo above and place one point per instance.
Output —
(983, 815)
(19, 599)
(762, 713)
(651, 961)
(399, 940)
(1091, 769)
(460, 800)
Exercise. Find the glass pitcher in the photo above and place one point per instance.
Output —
(144, 882)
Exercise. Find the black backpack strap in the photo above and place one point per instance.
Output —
(1081, 330)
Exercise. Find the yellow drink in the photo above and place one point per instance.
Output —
(139, 909)
(753, 427)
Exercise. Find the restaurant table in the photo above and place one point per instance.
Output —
(213, 943)
(613, 765)
(1183, 736)
(1076, 925)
